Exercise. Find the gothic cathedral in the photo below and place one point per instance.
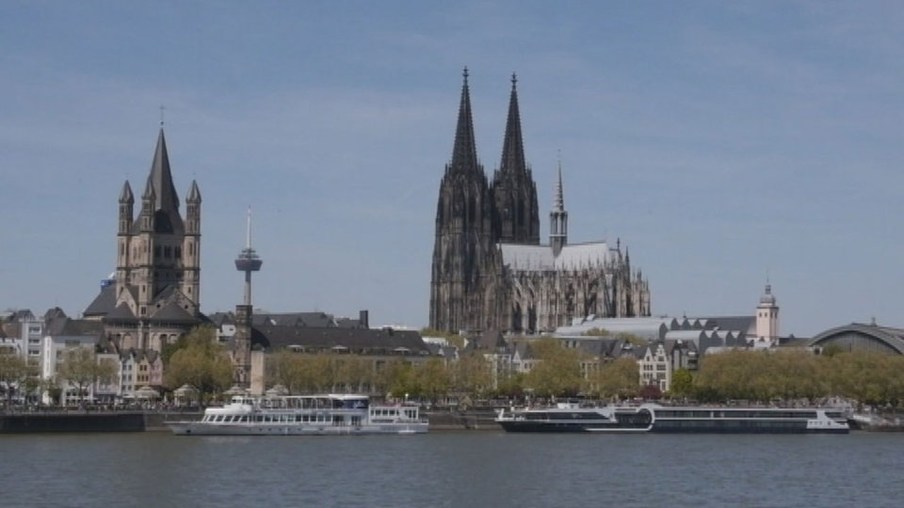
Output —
(154, 296)
(490, 271)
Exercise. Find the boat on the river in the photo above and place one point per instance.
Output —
(329, 414)
(569, 417)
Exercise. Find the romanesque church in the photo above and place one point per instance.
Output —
(490, 271)
(154, 296)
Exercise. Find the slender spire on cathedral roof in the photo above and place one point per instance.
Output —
(513, 146)
(162, 178)
(464, 152)
(559, 204)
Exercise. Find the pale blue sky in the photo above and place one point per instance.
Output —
(721, 141)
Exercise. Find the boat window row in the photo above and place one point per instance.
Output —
(564, 415)
(733, 413)
(309, 402)
(286, 418)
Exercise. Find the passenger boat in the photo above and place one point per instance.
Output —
(332, 414)
(674, 419)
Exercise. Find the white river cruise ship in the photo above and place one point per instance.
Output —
(330, 414)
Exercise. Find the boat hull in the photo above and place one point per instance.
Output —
(674, 420)
(207, 429)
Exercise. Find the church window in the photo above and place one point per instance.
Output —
(167, 252)
(178, 253)
(156, 251)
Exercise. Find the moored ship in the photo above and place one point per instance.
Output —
(331, 414)
(674, 419)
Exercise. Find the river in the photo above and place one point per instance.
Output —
(455, 469)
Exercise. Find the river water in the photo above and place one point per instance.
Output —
(455, 469)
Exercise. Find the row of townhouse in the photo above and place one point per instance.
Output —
(657, 361)
(45, 342)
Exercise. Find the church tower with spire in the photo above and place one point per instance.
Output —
(463, 244)
(516, 218)
(155, 297)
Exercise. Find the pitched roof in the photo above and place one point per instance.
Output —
(122, 312)
(541, 257)
(74, 327)
(172, 312)
(104, 303)
(384, 340)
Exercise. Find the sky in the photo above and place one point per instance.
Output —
(726, 144)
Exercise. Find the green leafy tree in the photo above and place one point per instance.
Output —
(471, 375)
(682, 383)
(81, 369)
(200, 362)
(433, 379)
(14, 371)
(619, 379)
(558, 371)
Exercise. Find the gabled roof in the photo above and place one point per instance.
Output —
(121, 312)
(103, 303)
(739, 323)
(172, 312)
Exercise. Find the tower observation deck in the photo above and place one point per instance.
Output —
(248, 261)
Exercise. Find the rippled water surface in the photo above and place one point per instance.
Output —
(470, 469)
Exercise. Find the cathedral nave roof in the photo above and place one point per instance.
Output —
(541, 258)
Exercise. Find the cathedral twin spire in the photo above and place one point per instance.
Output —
(513, 146)
(513, 210)
(464, 151)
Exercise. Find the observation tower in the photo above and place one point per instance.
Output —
(248, 261)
